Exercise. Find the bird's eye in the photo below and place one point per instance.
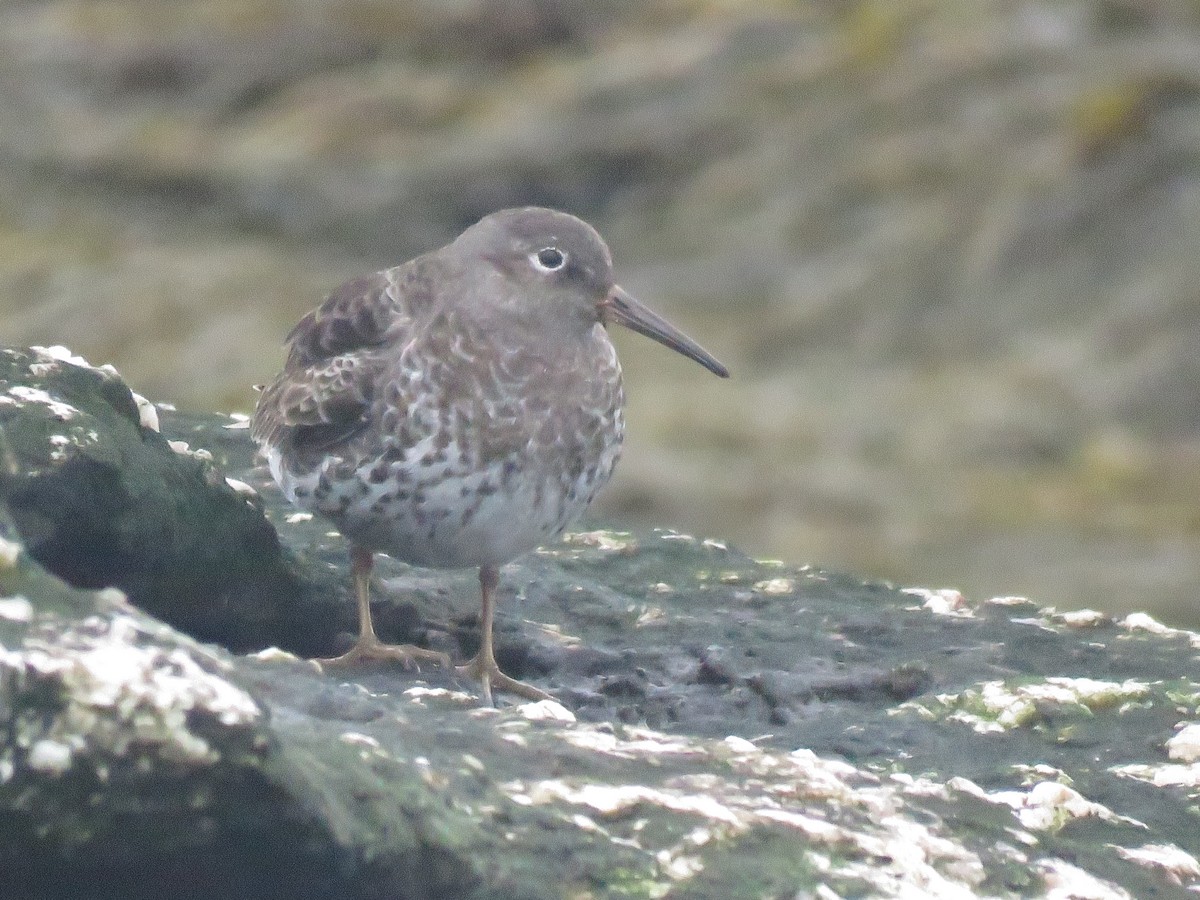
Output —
(549, 259)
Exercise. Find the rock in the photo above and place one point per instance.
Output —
(102, 499)
(950, 258)
(725, 728)
(134, 763)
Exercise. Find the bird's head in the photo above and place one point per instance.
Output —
(553, 268)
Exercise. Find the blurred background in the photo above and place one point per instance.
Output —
(950, 250)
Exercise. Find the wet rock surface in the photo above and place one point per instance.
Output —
(951, 259)
(726, 728)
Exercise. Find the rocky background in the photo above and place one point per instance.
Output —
(948, 249)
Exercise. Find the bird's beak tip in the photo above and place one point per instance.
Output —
(618, 306)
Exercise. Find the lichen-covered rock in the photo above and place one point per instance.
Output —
(727, 727)
(136, 763)
(102, 499)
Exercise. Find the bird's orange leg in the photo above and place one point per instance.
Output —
(482, 666)
(368, 648)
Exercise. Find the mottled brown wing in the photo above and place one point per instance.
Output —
(357, 316)
(321, 397)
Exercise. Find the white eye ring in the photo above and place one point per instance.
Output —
(548, 259)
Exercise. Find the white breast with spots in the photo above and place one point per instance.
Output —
(497, 490)
(449, 516)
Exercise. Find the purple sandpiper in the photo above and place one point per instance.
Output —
(460, 409)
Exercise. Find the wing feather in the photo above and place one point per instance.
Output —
(336, 354)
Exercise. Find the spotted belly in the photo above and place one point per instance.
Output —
(448, 515)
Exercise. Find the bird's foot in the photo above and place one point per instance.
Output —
(490, 678)
(369, 651)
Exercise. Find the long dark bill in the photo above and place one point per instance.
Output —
(623, 309)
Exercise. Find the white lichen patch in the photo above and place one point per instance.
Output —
(996, 706)
(16, 609)
(553, 632)
(275, 655)
(240, 487)
(1064, 881)
(63, 446)
(49, 757)
(1147, 622)
(666, 534)
(942, 602)
(1084, 618)
(147, 414)
(182, 448)
(111, 596)
(614, 801)
(60, 354)
(1136, 622)
(775, 587)
(1010, 600)
(605, 541)
(359, 739)
(23, 395)
(1038, 772)
(1178, 865)
(639, 743)
(420, 693)
(10, 552)
(1049, 805)
(118, 699)
(649, 615)
(846, 823)
(59, 444)
(740, 744)
(830, 777)
(52, 359)
(1165, 775)
(925, 787)
(545, 711)
(368, 747)
(1185, 745)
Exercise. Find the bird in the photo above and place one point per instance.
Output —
(459, 410)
